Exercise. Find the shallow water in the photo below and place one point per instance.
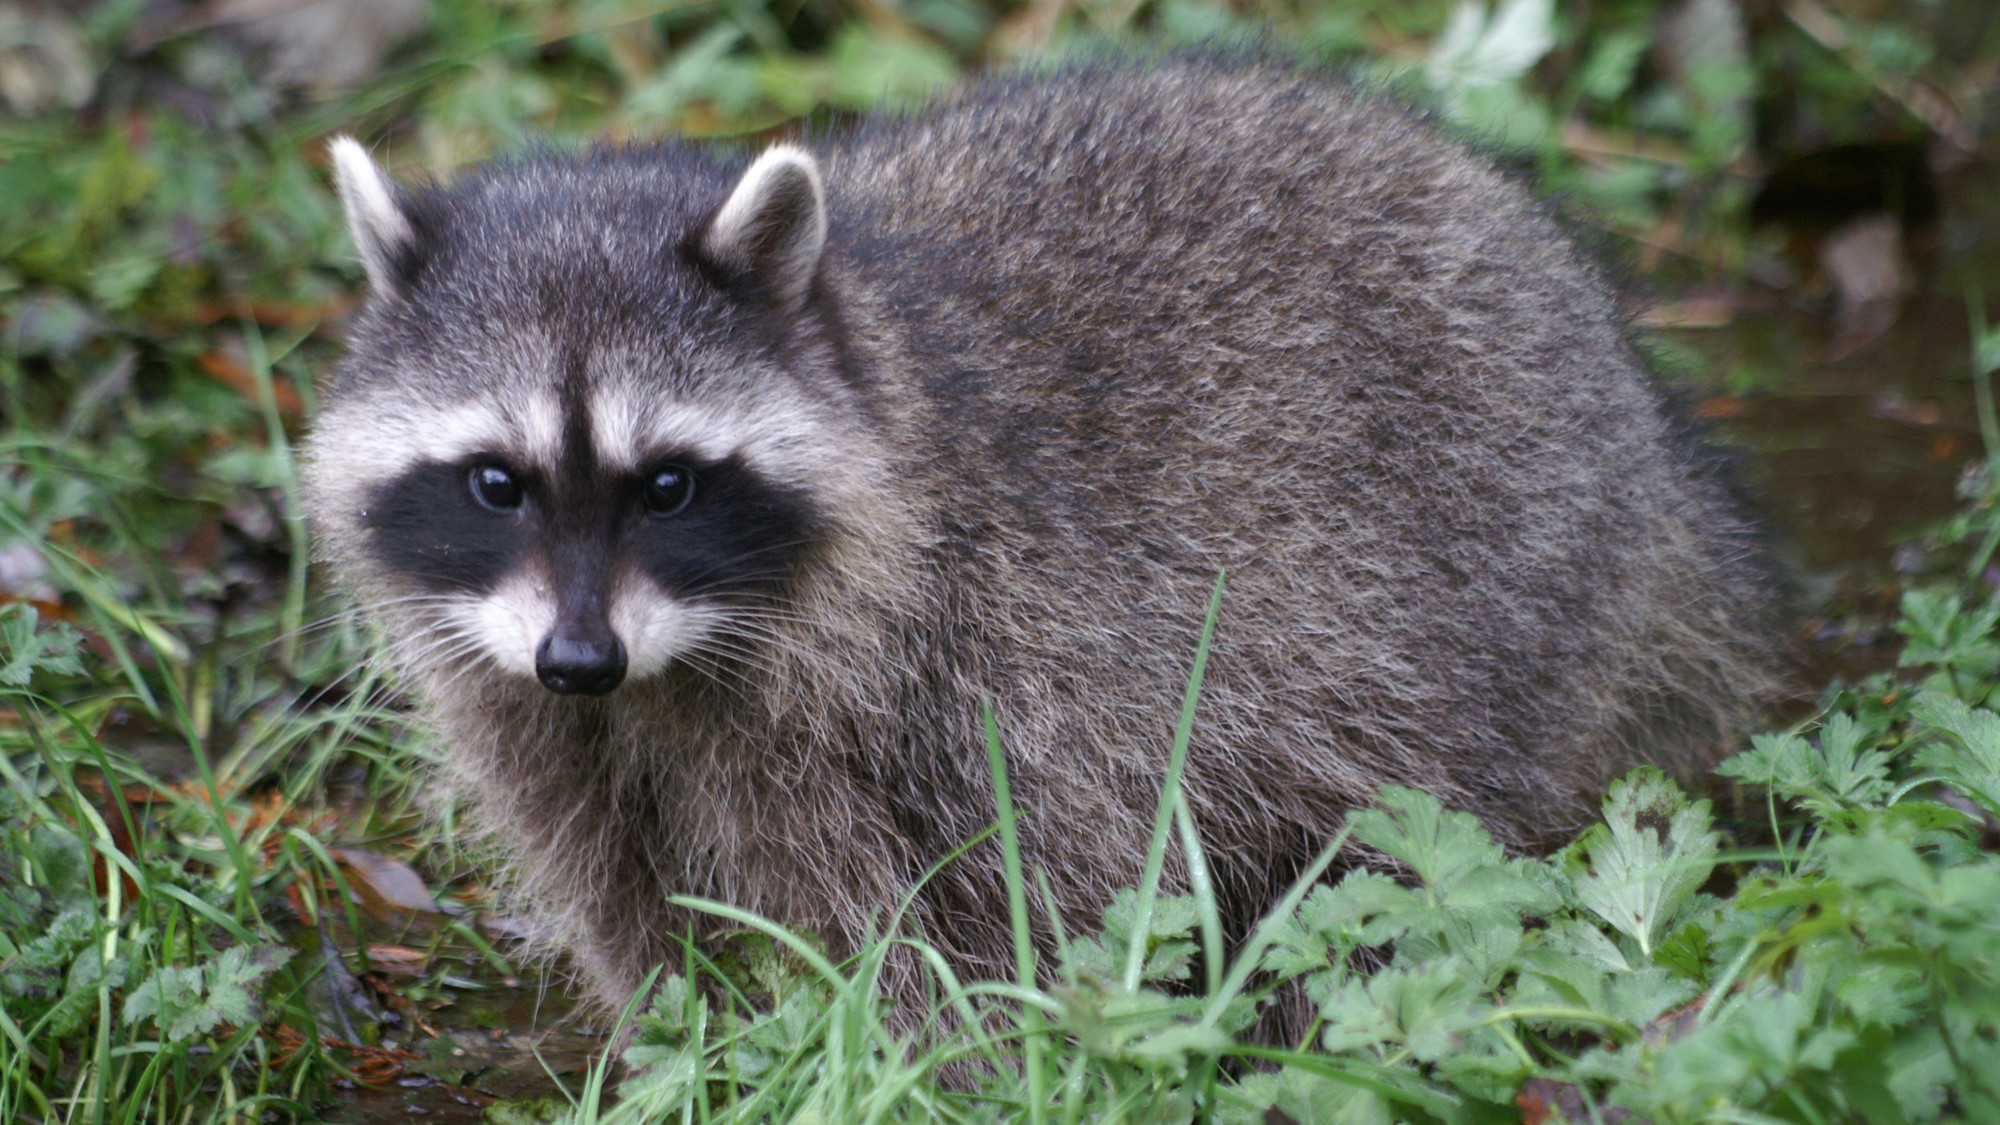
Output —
(460, 1035)
(498, 1043)
(1853, 441)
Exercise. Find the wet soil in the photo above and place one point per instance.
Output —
(500, 1041)
(444, 1031)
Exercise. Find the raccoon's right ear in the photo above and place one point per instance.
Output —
(772, 228)
(377, 217)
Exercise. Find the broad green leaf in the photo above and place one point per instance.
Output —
(1775, 1038)
(28, 649)
(1841, 773)
(1970, 761)
(1851, 775)
(1316, 1099)
(1641, 868)
(1441, 848)
(189, 1001)
(1424, 1009)
(1170, 950)
(1688, 952)
(1942, 633)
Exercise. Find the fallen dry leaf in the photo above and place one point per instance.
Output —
(396, 960)
(385, 885)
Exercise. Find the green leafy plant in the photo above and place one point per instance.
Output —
(186, 1002)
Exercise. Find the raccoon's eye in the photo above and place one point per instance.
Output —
(496, 488)
(669, 490)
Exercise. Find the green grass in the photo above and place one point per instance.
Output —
(190, 728)
(145, 936)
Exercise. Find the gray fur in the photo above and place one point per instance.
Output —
(1073, 344)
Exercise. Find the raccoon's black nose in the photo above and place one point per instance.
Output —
(570, 667)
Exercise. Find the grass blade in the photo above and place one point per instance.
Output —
(1156, 851)
(1017, 909)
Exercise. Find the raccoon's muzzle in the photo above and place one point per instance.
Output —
(581, 655)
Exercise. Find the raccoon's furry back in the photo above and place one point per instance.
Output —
(1074, 344)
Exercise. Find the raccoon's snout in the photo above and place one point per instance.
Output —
(572, 666)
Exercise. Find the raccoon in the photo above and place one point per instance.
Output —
(705, 501)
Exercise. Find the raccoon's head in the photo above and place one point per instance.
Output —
(590, 423)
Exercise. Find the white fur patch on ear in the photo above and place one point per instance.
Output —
(380, 229)
(773, 226)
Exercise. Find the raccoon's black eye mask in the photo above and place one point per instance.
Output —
(717, 528)
(668, 490)
(436, 524)
(697, 529)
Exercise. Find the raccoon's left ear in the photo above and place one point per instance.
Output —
(376, 217)
(772, 228)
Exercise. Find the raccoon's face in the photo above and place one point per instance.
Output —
(567, 442)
